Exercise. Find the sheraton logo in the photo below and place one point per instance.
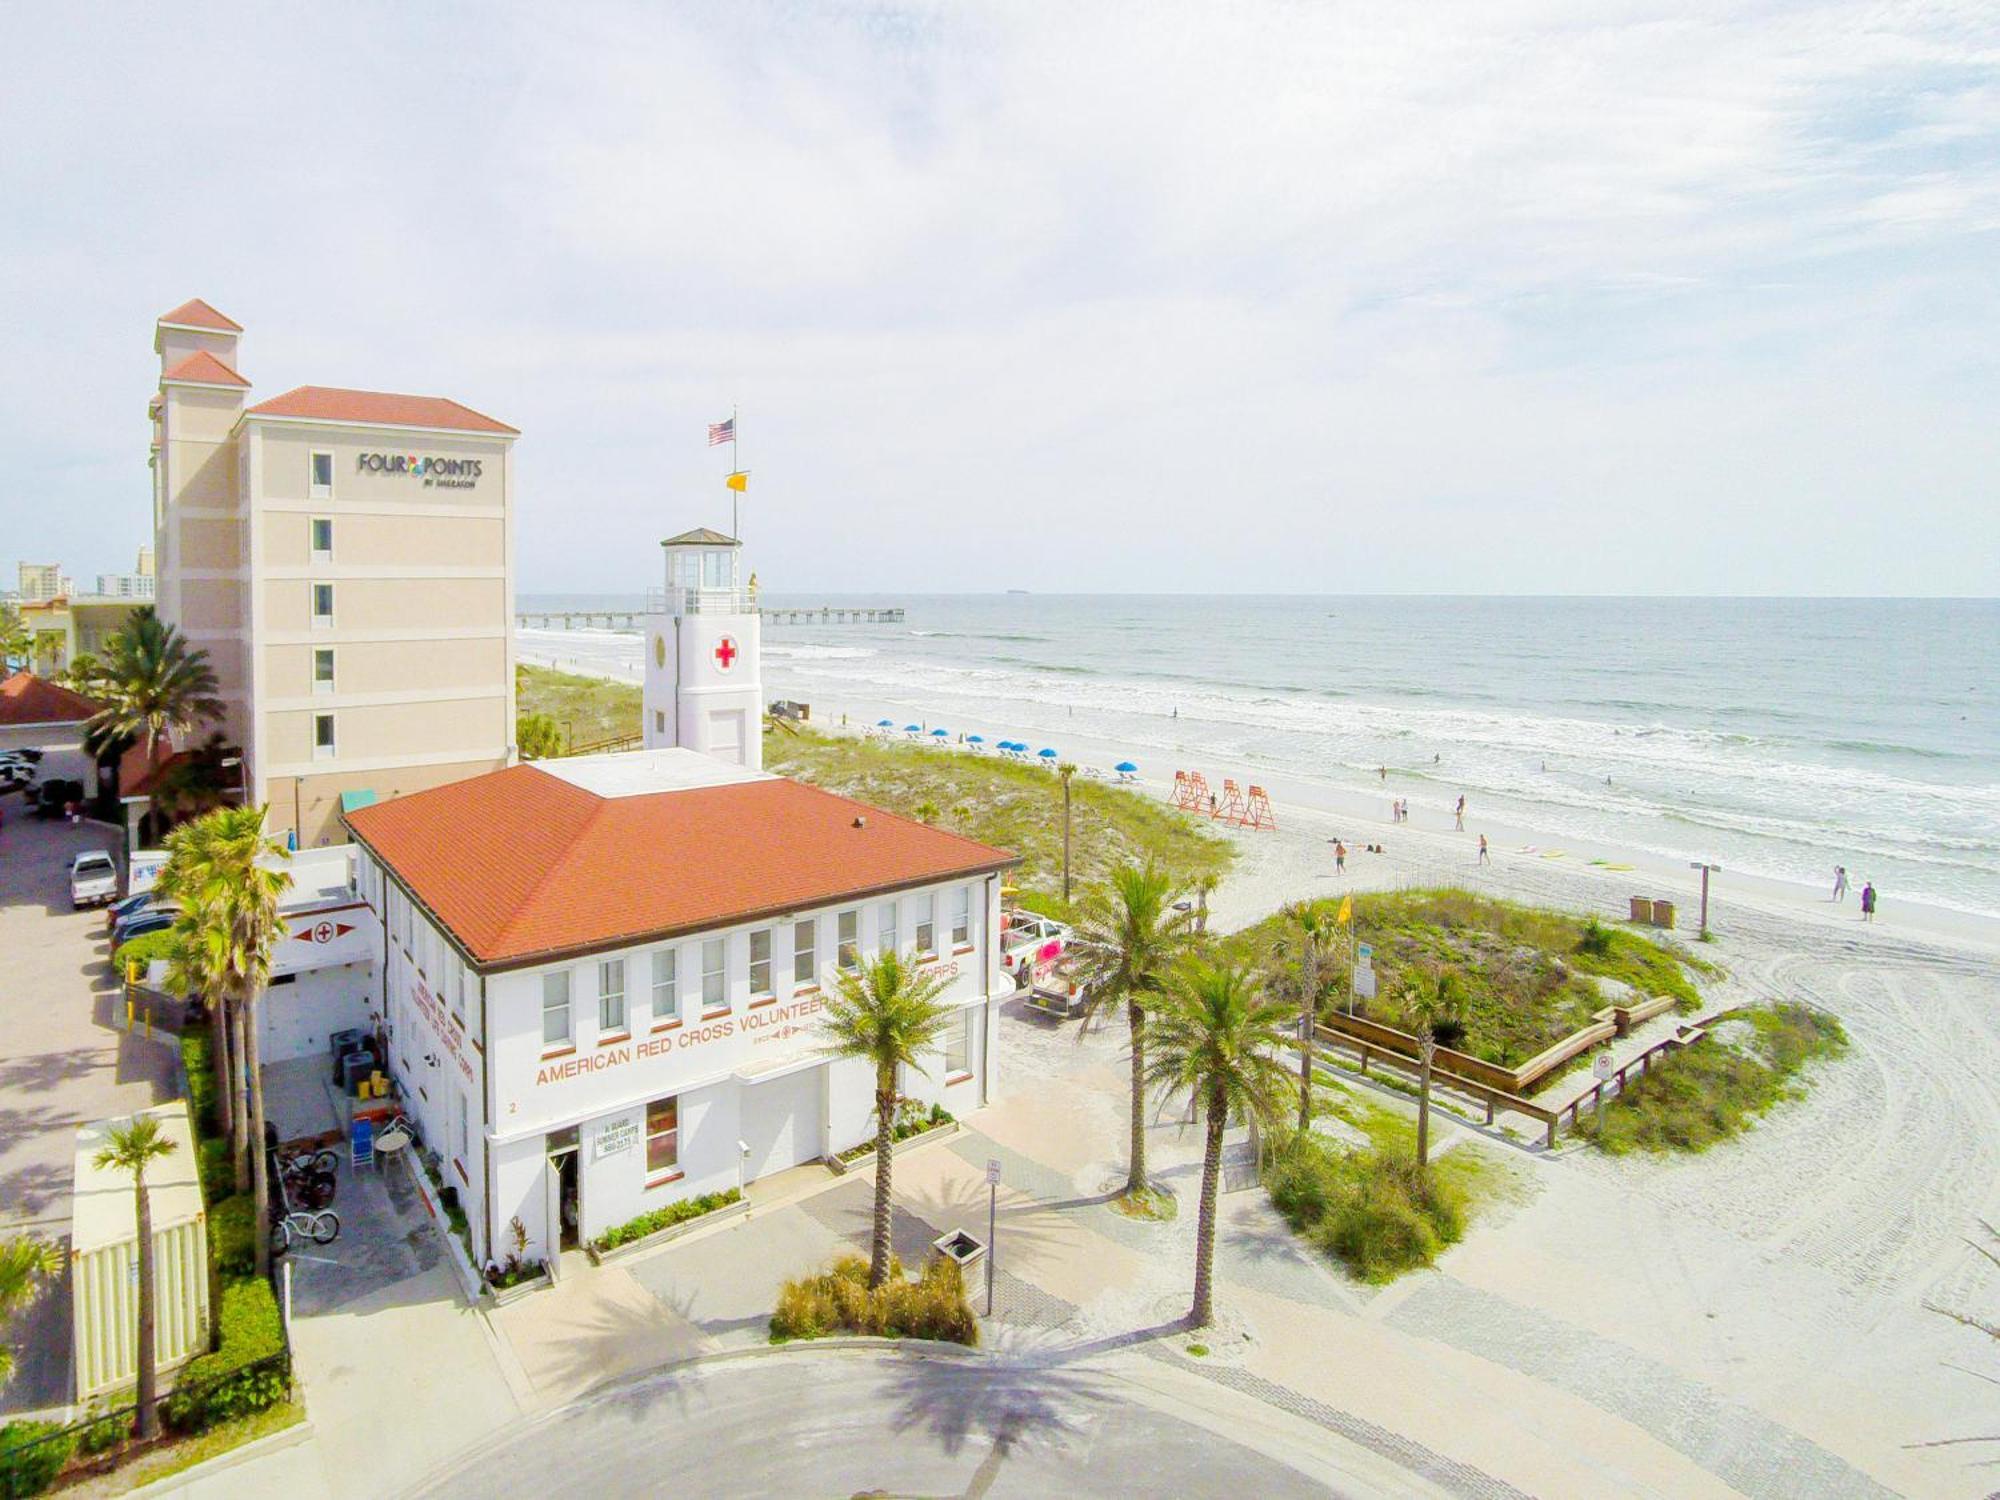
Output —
(444, 473)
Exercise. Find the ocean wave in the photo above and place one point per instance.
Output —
(820, 653)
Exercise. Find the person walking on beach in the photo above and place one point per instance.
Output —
(1383, 772)
(1840, 882)
(1868, 901)
(1484, 857)
(1339, 857)
(1461, 812)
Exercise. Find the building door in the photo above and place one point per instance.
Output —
(565, 1187)
(725, 735)
(781, 1122)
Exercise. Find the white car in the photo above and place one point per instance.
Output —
(93, 879)
(1030, 945)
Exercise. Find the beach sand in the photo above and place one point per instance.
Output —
(1793, 1270)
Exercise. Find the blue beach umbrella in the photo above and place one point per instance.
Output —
(940, 734)
(913, 729)
(1125, 768)
(1046, 754)
(975, 739)
(885, 723)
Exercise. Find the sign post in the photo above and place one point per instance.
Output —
(992, 1225)
(1706, 871)
(1601, 1070)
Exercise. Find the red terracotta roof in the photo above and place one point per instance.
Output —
(27, 699)
(206, 369)
(523, 866)
(377, 409)
(196, 313)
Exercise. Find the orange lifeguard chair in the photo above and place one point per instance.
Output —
(1191, 792)
(1231, 809)
(1258, 813)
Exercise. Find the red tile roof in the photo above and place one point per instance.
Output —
(196, 313)
(27, 699)
(523, 867)
(205, 369)
(378, 409)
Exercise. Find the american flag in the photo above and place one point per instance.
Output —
(722, 432)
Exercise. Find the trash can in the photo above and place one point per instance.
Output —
(1663, 914)
(1642, 908)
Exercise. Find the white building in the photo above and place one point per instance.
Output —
(603, 974)
(704, 642)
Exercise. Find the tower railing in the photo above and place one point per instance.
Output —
(723, 601)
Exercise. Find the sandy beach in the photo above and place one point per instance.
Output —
(1797, 1268)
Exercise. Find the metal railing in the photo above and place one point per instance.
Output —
(717, 601)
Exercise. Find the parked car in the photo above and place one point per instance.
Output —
(93, 879)
(51, 797)
(131, 905)
(1029, 943)
(1058, 994)
(152, 919)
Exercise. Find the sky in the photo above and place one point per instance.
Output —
(1499, 297)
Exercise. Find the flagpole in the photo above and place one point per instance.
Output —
(736, 463)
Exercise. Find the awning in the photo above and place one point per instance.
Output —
(351, 800)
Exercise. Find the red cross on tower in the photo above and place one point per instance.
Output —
(725, 653)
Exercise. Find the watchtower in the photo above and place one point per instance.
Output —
(704, 638)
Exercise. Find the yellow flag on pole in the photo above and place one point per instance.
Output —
(738, 482)
(1346, 911)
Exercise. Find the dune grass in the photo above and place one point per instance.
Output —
(1526, 972)
(1718, 1088)
(838, 1300)
(585, 710)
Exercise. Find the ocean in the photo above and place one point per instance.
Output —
(1778, 737)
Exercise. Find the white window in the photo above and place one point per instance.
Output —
(322, 602)
(464, 1132)
(475, 1003)
(961, 917)
(454, 978)
(760, 963)
(666, 986)
(885, 928)
(926, 923)
(323, 744)
(958, 1045)
(319, 475)
(322, 539)
(714, 989)
(848, 934)
(659, 721)
(663, 1140)
(322, 669)
(805, 961)
(555, 1009)
(611, 996)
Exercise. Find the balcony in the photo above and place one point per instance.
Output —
(724, 601)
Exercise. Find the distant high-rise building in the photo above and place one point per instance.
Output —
(43, 581)
(125, 585)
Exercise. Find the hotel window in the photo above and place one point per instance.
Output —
(611, 996)
(322, 669)
(961, 917)
(714, 993)
(926, 924)
(555, 1009)
(322, 736)
(322, 539)
(320, 475)
(805, 961)
(322, 601)
(666, 985)
(958, 1046)
(663, 1139)
(760, 964)
(885, 929)
(848, 946)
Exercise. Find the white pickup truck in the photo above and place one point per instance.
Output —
(93, 879)
(1030, 945)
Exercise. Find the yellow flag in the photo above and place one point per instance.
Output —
(1346, 911)
(738, 482)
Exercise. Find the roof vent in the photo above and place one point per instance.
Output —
(859, 821)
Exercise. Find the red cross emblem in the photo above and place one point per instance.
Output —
(725, 653)
(323, 933)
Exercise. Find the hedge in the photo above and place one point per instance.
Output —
(665, 1218)
(201, 1082)
(28, 1470)
(234, 1381)
(232, 1240)
(143, 949)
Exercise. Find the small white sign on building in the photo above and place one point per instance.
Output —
(618, 1136)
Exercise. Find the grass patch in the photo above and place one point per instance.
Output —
(163, 1463)
(839, 1300)
(1012, 806)
(1199, 1351)
(1526, 972)
(583, 710)
(654, 1220)
(1695, 1096)
(1376, 1212)
(1153, 1205)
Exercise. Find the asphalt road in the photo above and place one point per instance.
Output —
(855, 1424)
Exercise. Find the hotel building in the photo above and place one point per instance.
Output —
(346, 559)
(604, 976)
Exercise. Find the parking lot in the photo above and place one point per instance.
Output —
(63, 1061)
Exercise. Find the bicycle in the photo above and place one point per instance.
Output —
(320, 1225)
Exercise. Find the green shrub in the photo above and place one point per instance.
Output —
(911, 1119)
(1595, 939)
(1375, 1211)
(232, 1237)
(657, 1219)
(201, 1082)
(32, 1454)
(142, 950)
(838, 1300)
(228, 1383)
(218, 1172)
(102, 1435)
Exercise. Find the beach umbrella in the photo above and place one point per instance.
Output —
(885, 723)
(940, 734)
(1125, 768)
(913, 729)
(975, 739)
(1046, 754)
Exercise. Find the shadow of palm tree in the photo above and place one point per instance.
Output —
(1002, 1404)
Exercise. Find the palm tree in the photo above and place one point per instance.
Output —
(884, 1013)
(1216, 1037)
(17, 642)
(193, 856)
(135, 1146)
(1308, 940)
(1204, 885)
(1066, 770)
(1434, 1001)
(229, 924)
(153, 685)
(25, 1264)
(1127, 942)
